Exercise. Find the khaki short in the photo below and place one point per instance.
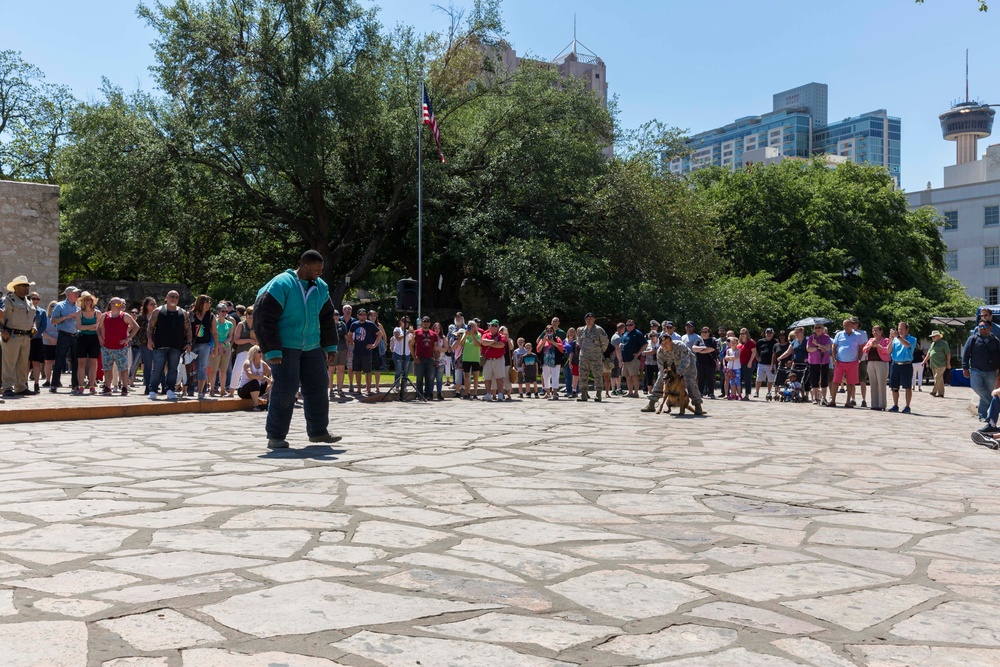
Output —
(631, 368)
(494, 369)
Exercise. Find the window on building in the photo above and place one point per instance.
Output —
(950, 219)
(992, 295)
(991, 255)
(951, 260)
(992, 216)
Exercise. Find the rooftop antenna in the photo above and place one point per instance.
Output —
(579, 49)
(966, 73)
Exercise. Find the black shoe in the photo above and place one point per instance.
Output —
(989, 429)
(986, 441)
(27, 392)
(274, 443)
(325, 437)
(52, 390)
(8, 393)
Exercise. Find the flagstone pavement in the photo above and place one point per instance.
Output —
(526, 533)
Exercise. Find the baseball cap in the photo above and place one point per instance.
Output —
(494, 323)
(588, 315)
(425, 318)
(769, 330)
(668, 324)
(689, 323)
(71, 289)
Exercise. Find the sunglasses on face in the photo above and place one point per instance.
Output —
(35, 298)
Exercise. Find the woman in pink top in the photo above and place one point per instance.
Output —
(876, 351)
(819, 346)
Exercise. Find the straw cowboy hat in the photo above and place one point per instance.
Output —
(20, 280)
(936, 333)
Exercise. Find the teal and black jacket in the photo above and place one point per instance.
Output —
(292, 314)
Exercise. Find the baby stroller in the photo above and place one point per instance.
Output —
(790, 390)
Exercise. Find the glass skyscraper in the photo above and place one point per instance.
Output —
(797, 127)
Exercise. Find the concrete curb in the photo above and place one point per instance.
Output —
(151, 408)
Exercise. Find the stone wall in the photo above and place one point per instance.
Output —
(132, 292)
(29, 235)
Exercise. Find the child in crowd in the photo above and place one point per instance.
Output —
(649, 361)
(732, 367)
(792, 389)
(518, 357)
(529, 370)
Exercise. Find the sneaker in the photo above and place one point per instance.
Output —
(124, 391)
(864, 403)
(152, 395)
(989, 429)
(894, 408)
(106, 390)
(52, 390)
(277, 443)
(171, 396)
(93, 390)
(78, 391)
(27, 392)
(508, 398)
(9, 393)
(906, 410)
(597, 399)
(986, 441)
(324, 437)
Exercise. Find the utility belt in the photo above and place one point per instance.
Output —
(18, 332)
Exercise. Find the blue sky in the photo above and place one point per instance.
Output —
(695, 64)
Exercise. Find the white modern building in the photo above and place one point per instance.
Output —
(969, 202)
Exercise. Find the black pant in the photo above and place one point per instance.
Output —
(746, 378)
(65, 349)
(706, 379)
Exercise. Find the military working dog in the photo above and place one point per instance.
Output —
(674, 392)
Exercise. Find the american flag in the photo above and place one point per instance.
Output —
(430, 120)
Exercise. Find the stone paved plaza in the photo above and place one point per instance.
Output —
(463, 533)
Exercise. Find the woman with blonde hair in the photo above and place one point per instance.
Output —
(88, 346)
(254, 379)
(243, 339)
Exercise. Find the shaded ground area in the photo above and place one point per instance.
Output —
(481, 534)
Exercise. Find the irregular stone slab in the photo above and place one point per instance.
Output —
(627, 595)
(68, 537)
(302, 569)
(267, 543)
(644, 550)
(736, 656)
(530, 563)
(504, 496)
(674, 532)
(673, 641)
(314, 606)
(400, 651)
(973, 573)
(371, 495)
(417, 515)
(573, 514)
(895, 524)
(535, 533)
(346, 554)
(885, 505)
(70, 606)
(43, 644)
(217, 657)
(974, 544)
(551, 633)
(927, 656)
(778, 581)
(643, 503)
(136, 662)
(8, 526)
(863, 609)
(7, 607)
(765, 535)
(75, 582)
(843, 537)
(209, 583)
(8, 570)
(882, 561)
(442, 494)
(468, 588)
(47, 557)
(174, 564)
(736, 505)
(161, 629)
(263, 499)
(182, 516)
(953, 623)
(270, 519)
(753, 617)
(71, 510)
(442, 562)
(745, 555)
(395, 536)
(814, 652)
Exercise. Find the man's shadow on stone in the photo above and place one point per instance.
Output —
(314, 452)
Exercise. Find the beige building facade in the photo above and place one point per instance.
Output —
(29, 235)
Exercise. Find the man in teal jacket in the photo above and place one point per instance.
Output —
(293, 320)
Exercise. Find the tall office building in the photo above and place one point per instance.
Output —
(797, 127)
(969, 202)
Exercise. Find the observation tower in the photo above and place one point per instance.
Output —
(966, 123)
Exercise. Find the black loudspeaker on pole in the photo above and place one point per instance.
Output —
(406, 295)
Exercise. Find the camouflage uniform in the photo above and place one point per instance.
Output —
(593, 341)
(685, 363)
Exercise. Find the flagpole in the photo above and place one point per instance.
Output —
(420, 203)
